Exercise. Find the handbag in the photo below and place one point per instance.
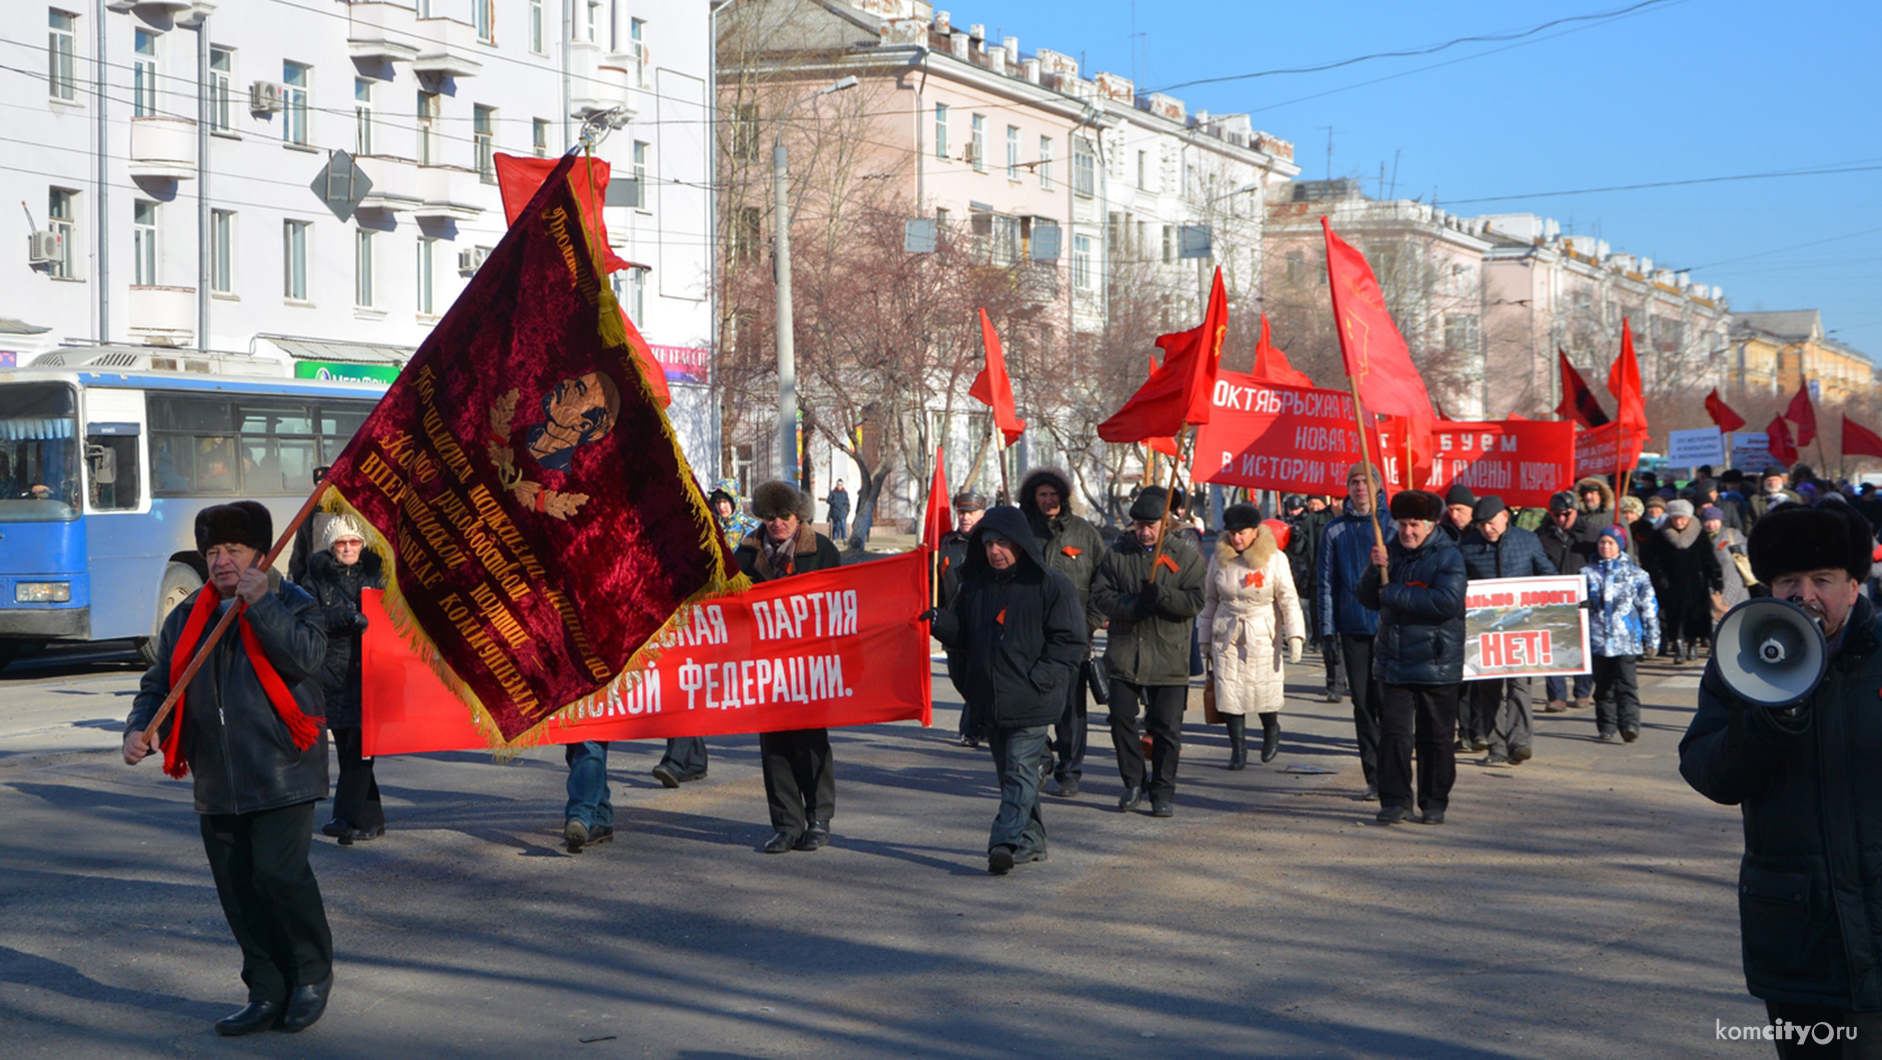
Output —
(1743, 564)
(1095, 680)
(1210, 716)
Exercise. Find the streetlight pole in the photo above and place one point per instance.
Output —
(787, 339)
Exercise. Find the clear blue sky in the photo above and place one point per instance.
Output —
(1679, 90)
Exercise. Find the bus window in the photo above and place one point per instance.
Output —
(111, 457)
(38, 453)
(215, 466)
(272, 417)
(203, 415)
(339, 422)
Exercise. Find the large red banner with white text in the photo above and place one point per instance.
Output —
(1302, 440)
(829, 648)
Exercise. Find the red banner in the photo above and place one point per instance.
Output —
(1302, 440)
(829, 648)
(1600, 451)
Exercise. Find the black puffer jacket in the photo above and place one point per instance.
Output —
(1150, 633)
(1810, 884)
(239, 750)
(1517, 554)
(336, 589)
(1421, 613)
(1070, 544)
(1019, 633)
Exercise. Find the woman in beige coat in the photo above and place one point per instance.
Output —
(1249, 596)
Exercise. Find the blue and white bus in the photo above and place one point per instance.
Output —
(103, 469)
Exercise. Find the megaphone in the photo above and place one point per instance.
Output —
(1771, 652)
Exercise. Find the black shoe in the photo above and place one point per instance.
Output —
(666, 776)
(779, 843)
(1334, 697)
(1630, 735)
(1479, 744)
(1393, 815)
(969, 741)
(600, 833)
(1371, 793)
(335, 828)
(1064, 789)
(1000, 861)
(305, 1005)
(1433, 817)
(1519, 755)
(1162, 809)
(1270, 737)
(575, 834)
(1495, 760)
(1130, 799)
(1238, 758)
(816, 837)
(361, 835)
(258, 1016)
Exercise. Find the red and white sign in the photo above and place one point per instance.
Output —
(1600, 452)
(687, 364)
(1525, 627)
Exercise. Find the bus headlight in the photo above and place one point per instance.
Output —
(42, 593)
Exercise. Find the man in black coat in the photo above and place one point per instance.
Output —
(1568, 541)
(1495, 549)
(1072, 547)
(800, 776)
(259, 760)
(1803, 775)
(968, 508)
(1018, 629)
(1417, 585)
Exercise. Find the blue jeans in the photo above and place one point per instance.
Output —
(1558, 686)
(588, 785)
(1016, 757)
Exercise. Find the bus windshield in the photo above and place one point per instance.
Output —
(38, 453)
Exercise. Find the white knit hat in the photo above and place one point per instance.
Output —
(339, 528)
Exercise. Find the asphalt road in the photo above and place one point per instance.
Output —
(1579, 905)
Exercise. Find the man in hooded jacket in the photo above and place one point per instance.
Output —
(1072, 547)
(1018, 631)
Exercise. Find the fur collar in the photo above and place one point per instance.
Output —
(1685, 538)
(1254, 557)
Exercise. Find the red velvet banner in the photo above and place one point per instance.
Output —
(829, 648)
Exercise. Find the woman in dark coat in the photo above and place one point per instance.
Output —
(1690, 568)
(335, 577)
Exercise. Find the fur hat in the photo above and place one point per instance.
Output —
(241, 523)
(778, 498)
(1148, 507)
(1241, 517)
(339, 527)
(1460, 494)
(1417, 504)
(1679, 507)
(1631, 503)
(1485, 509)
(1792, 538)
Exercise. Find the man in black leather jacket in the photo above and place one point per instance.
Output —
(259, 760)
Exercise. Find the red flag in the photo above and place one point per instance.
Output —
(939, 518)
(1271, 365)
(518, 179)
(1578, 401)
(1167, 443)
(1779, 433)
(1803, 414)
(1630, 407)
(1387, 382)
(1182, 392)
(541, 523)
(1722, 413)
(1859, 440)
(993, 388)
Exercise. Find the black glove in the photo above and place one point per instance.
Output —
(1147, 599)
(928, 615)
(360, 622)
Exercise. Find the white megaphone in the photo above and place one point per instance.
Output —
(1771, 652)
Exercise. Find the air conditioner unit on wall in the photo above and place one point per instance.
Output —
(43, 248)
(470, 258)
(264, 97)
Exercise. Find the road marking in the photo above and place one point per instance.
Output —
(1678, 682)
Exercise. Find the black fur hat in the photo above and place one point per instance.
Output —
(778, 498)
(241, 523)
(1417, 504)
(1241, 517)
(1792, 538)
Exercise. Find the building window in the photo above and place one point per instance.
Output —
(1143, 170)
(430, 108)
(1012, 152)
(1081, 262)
(426, 255)
(144, 243)
(940, 130)
(1084, 168)
(630, 289)
(639, 176)
(1169, 243)
(294, 260)
(222, 251)
(484, 137)
(484, 16)
(535, 26)
(637, 39)
(143, 74)
(539, 137)
(62, 55)
(745, 132)
(1296, 267)
(977, 148)
(221, 78)
(62, 208)
(362, 116)
(747, 234)
(295, 79)
(1460, 333)
(362, 269)
(1045, 163)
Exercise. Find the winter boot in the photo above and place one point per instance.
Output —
(1238, 740)
(1270, 735)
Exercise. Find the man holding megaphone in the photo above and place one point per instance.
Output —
(1789, 728)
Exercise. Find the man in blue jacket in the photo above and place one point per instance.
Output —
(1417, 586)
(1346, 625)
(1492, 548)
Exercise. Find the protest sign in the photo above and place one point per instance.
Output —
(1690, 449)
(1525, 627)
(829, 648)
(1751, 451)
(1606, 451)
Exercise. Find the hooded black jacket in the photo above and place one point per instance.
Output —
(1421, 613)
(1070, 545)
(336, 589)
(1019, 634)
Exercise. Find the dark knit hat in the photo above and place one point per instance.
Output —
(1148, 507)
(241, 523)
(1241, 517)
(1460, 494)
(1485, 510)
(1562, 501)
(778, 498)
(1792, 538)
(1617, 533)
(1417, 504)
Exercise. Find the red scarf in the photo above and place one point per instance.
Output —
(303, 729)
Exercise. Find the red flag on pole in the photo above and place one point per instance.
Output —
(1779, 434)
(1377, 361)
(1803, 414)
(1166, 443)
(1722, 413)
(1578, 401)
(939, 518)
(1859, 440)
(1271, 365)
(1182, 392)
(1630, 407)
(992, 388)
(541, 523)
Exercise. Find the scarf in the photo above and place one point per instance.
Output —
(303, 729)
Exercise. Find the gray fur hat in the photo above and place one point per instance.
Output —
(778, 498)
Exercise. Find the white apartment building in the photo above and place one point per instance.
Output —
(166, 151)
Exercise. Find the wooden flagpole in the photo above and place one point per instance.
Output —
(999, 457)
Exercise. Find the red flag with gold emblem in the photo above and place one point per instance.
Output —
(1182, 392)
(1385, 380)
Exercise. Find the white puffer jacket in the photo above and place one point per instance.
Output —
(1246, 596)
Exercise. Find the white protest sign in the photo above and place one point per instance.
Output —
(1694, 448)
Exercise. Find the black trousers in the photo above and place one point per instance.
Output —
(270, 897)
(800, 778)
(1163, 716)
(1356, 653)
(1423, 717)
(686, 756)
(1331, 657)
(1616, 693)
(1070, 734)
(1852, 1035)
(356, 793)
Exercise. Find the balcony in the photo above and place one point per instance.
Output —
(163, 148)
(395, 183)
(382, 32)
(163, 316)
(446, 48)
(599, 82)
(450, 193)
